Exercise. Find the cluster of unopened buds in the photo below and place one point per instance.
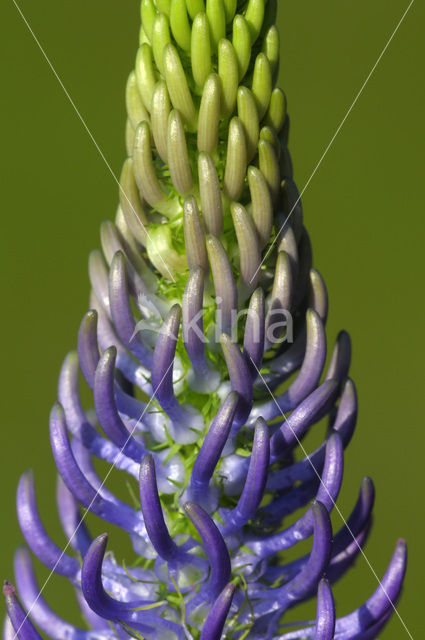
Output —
(205, 352)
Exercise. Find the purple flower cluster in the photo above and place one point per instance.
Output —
(206, 411)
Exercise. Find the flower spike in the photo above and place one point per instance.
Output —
(211, 420)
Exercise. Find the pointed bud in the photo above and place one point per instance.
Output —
(241, 40)
(271, 47)
(262, 84)
(224, 284)
(135, 108)
(179, 23)
(200, 54)
(249, 250)
(276, 113)
(177, 154)
(210, 193)
(235, 170)
(146, 76)
(160, 38)
(131, 205)
(269, 166)
(178, 88)
(147, 14)
(161, 108)
(262, 207)
(248, 115)
(254, 15)
(228, 74)
(209, 115)
(149, 186)
(217, 21)
(194, 236)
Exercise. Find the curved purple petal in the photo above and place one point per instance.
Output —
(41, 613)
(254, 334)
(304, 470)
(24, 628)
(341, 358)
(325, 617)
(216, 619)
(308, 376)
(240, 378)
(215, 548)
(78, 484)
(255, 482)
(152, 511)
(213, 444)
(327, 493)
(307, 412)
(382, 601)
(35, 534)
(70, 516)
(92, 586)
(186, 425)
(106, 409)
(122, 315)
(88, 348)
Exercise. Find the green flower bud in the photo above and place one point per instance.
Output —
(249, 250)
(194, 236)
(262, 84)
(262, 207)
(234, 174)
(147, 13)
(150, 187)
(241, 40)
(201, 50)
(276, 113)
(210, 193)
(269, 166)
(131, 204)
(161, 108)
(254, 16)
(179, 23)
(248, 115)
(230, 9)
(178, 158)
(271, 47)
(228, 74)
(209, 115)
(145, 74)
(177, 85)
(217, 20)
(194, 7)
(160, 38)
(134, 103)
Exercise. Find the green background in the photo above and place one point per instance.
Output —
(363, 208)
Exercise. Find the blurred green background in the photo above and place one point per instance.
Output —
(363, 208)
